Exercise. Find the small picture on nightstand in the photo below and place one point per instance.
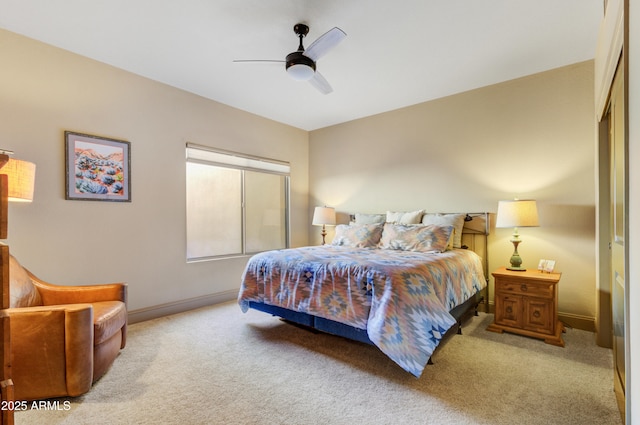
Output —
(546, 265)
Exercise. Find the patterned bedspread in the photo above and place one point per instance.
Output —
(401, 298)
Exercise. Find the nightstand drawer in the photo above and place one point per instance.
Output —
(525, 288)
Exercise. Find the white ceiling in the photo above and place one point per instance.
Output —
(396, 53)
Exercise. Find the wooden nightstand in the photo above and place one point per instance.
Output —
(526, 303)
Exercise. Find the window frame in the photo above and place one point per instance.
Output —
(243, 162)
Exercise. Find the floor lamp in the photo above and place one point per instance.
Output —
(16, 184)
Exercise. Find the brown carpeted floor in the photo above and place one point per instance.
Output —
(217, 365)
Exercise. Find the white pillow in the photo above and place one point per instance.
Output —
(455, 220)
(412, 217)
(369, 218)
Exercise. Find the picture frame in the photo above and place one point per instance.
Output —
(97, 168)
(546, 266)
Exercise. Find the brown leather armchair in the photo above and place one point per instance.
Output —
(63, 338)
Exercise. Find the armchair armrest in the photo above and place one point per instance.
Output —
(60, 294)
(52, 350)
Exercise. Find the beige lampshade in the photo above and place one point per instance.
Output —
(517, 213)
(324, 215)
(22, 177)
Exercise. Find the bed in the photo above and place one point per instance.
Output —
(399, 286)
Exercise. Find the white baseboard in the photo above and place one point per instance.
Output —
(161, 310)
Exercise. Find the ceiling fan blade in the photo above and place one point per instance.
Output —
(257, 61)
(324, 43)
(319, 82)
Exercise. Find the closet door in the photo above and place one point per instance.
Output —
(618, 190)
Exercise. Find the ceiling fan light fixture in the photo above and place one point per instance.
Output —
(301, 72)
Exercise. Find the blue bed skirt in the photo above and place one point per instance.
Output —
(461, 313)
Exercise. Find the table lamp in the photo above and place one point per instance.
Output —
(517, 213)
(323, 216)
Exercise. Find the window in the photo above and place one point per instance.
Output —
(236, 204)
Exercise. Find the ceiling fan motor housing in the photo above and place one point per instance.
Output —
(299, 66)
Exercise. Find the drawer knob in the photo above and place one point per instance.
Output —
(523, 288)
(509, 310)
(536, 314)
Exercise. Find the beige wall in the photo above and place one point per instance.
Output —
(529, 138)
(45, 91)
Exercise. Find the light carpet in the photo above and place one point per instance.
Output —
(216, 365)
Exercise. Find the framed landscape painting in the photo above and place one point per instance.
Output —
(98, 168)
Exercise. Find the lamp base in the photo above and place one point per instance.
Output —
(515, 260)
(517, 269)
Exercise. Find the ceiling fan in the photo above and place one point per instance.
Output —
(301, 64)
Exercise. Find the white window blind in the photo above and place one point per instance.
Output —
(236, 204)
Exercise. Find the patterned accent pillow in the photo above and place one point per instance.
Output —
(455, 220)
(357, 235)
(412, 217)
(423, 238)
